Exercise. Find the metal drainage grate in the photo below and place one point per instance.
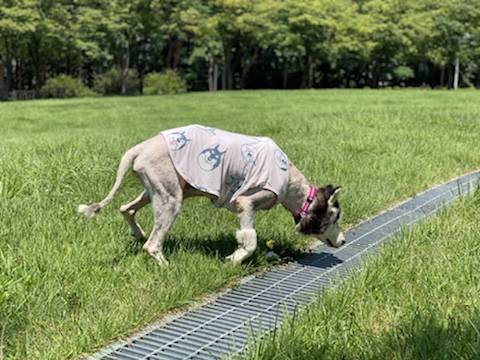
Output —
(257, 306)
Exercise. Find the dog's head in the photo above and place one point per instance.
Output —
(322, 222)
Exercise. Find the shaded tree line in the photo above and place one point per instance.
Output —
(237, 44)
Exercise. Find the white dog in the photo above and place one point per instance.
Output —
(241, 173)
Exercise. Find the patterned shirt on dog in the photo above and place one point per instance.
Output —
(227, 164)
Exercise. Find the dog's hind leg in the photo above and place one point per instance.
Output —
(158, 175)
(165, 210)
(129, 210)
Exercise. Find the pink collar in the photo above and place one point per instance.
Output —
(304, 210)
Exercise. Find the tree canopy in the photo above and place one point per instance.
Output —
(232, 44)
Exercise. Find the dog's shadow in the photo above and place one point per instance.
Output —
(324, 260)
(223, 244)
(218, 245)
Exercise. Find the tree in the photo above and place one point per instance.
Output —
(278, 35)
(455, 36)
(242, 43)
(17, 19)
(122, 27)
(396, 29)
(203, 26)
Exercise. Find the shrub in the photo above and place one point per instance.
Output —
(64, 86)
(110, 82)
(167, 82)
(403, 72)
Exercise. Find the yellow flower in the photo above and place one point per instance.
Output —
(270, 244)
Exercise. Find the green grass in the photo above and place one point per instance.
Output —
(419, 299)
(69, 285)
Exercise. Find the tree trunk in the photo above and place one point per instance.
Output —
(8, 65)
(310, 72)
(307, 77)
(43, 76)
(141, 67)
(211, 80)
(285, 76)
(449, 76)
(215, 77)
(456, 74)
(3, 93)
(177, 55)
(68, 65)
(442, 76)
(227, 76)
(247, 66)
(375, 74)
(37, 77)
(88, 77)
(212, 75)
(125, 68)
(19, 74)
(168, 61)
(33, 49)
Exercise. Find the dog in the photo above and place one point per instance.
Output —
(243, 173)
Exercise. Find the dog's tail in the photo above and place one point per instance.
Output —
(93, 209)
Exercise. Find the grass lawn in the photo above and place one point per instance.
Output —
(68, 285)
(420, 299)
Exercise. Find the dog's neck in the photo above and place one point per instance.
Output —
(297, 190)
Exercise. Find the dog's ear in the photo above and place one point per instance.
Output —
(333, 198)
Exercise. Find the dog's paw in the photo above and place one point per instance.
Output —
(157, 255)
(160, 259)
(238, 256)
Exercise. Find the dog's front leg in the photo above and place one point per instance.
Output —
(245, 207)
(246, 236)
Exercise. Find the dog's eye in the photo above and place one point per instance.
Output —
(335, 216)
(322, 228)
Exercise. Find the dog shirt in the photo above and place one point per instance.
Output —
(227, 164)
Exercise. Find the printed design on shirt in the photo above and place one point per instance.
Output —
(177, 140)
(234, 182)
(249, 153)
(281, 160)
(210, 158)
